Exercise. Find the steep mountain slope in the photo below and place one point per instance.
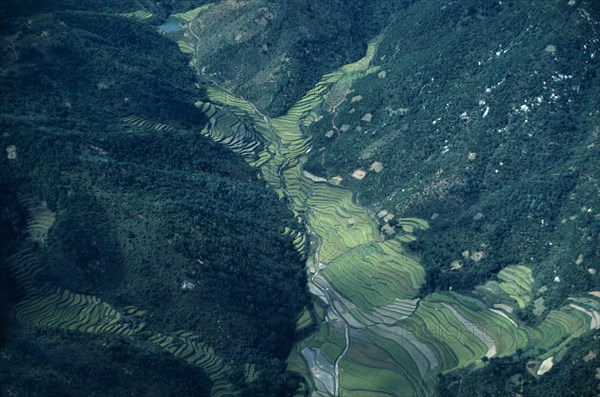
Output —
(132, 246)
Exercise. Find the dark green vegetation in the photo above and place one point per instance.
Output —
(42, 364)
(141, 211)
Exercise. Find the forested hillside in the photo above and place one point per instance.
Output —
(110, 194)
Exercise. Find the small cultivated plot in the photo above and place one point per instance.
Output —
(250, 373)
(484, 323)
(296, 363)
(305, 320)
(344, 127)
(376, 166)
(23, 267)
(299, 239)
(240, 108)
(538, 306)
(313, 357)
(409, 225)
(382, 214)
(318, 353)
(191, 14)
(227, 128)
(140, 15)
(395, 311)
(321, 369)
(545, 366)
(359, 174)
(63, 309)
(367, 117)
(186, 47)
(404, 346)
(516, 283)
(298, 186)
(362, 64)
(141, 123)
(11, 152)
(334, 346)
(40, 218)
(589, 306)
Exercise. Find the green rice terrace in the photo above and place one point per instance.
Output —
(355, 279)
(376, 335)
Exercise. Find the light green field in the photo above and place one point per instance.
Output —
(141, 15)
(375, 274)
(140, 123)
(304, 320)
(190, 15)
(185, 47)
(517, 282)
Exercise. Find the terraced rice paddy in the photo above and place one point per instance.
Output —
(376, 337)
(140, 123)
(375, 275)
(40, 219)
(141, 15)
(190, 15)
